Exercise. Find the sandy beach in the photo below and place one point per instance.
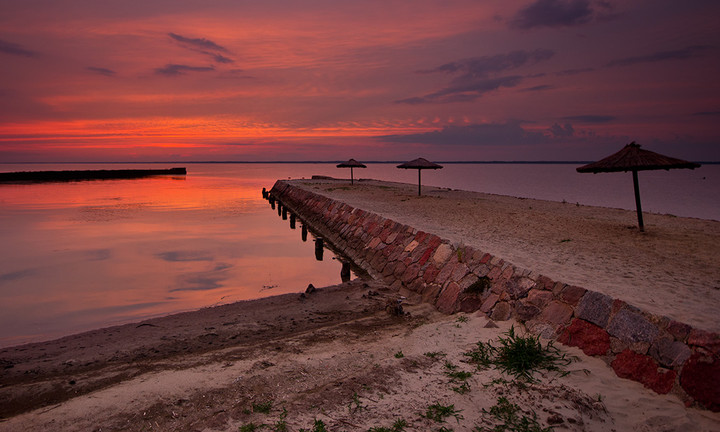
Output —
(671, 269)
(338, 357)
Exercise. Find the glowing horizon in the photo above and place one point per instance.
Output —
(459, 80)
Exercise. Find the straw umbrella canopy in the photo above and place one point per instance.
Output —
(419, 164)
(352, 163)
(633, 158)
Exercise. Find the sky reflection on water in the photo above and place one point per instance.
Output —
(84, 255)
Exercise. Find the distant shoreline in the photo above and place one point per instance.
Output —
(55, 176)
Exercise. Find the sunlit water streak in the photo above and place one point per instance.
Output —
(84, 255)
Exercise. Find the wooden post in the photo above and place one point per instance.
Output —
(319, 248)
(303, 233)
(352, 180)
(279, 206)
(637, 201)
(292, 221)
(284, 213)
(345, 271)
(419, 181)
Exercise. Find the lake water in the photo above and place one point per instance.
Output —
(84, 255)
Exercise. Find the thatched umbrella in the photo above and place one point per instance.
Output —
(419, 164)
(352, 163)
(633, 158)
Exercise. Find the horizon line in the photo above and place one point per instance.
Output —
(548, 162)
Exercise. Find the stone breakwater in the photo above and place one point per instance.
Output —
(664, 355)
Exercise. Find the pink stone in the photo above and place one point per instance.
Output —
(680, 331)
(501, 312)
(591, 339)
(459, 272)
(643, 369)
(545, 283)
(539, 298)
(448, 297)
(410, 274)
(557, 313)
(572, 294)
(487, 257)
(489, 303)
(494, 272)
(699, 378)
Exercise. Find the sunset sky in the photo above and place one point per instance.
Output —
(177, 80)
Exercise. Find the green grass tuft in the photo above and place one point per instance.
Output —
(509, 417)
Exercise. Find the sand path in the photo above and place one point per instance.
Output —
(671, 269)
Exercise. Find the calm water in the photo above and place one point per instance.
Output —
(84, 255)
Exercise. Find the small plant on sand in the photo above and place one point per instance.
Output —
(462, 319)
(509, 417)
(435, 354)
(281, 425)
(355, 405)
(250, 427)
(399, 354)
(520, 356)
(262, 407)
(398, 426)
(439, 413)
(458, 377)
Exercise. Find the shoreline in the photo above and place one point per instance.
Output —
(334, 356)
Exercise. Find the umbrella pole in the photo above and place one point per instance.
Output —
(637, 200)
(352, 180)
(419, 183)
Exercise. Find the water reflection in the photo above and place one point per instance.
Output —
(85, 255)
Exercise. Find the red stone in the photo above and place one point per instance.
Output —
(643, 369)
(680, 331)
(700, 378)
(590, 338)
(705, 339)
(485, 258)
(426, 256)
(430, 273)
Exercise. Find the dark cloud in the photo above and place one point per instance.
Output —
(489, 134)
(486, 65)
(679, 54)
(177, 69)
(15, 49)
(6, 277)
(539, 88)
(473, 76)
(200, 43)
(560, 13)
(203, 46)
(101, 71)
(564, 131)
(707, 113)
(568, 72)
(590, 118)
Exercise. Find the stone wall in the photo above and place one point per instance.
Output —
(662, 354)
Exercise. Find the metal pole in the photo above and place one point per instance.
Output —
(637, 201)
(352, 181)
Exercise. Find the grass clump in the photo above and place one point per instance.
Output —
(435, 354)
(262, 407)
(519, 356)
(250, 427)
(439, 412)
(398, 426)
(399, 354)
(509, 417)
(318, 426)
(281, 424)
